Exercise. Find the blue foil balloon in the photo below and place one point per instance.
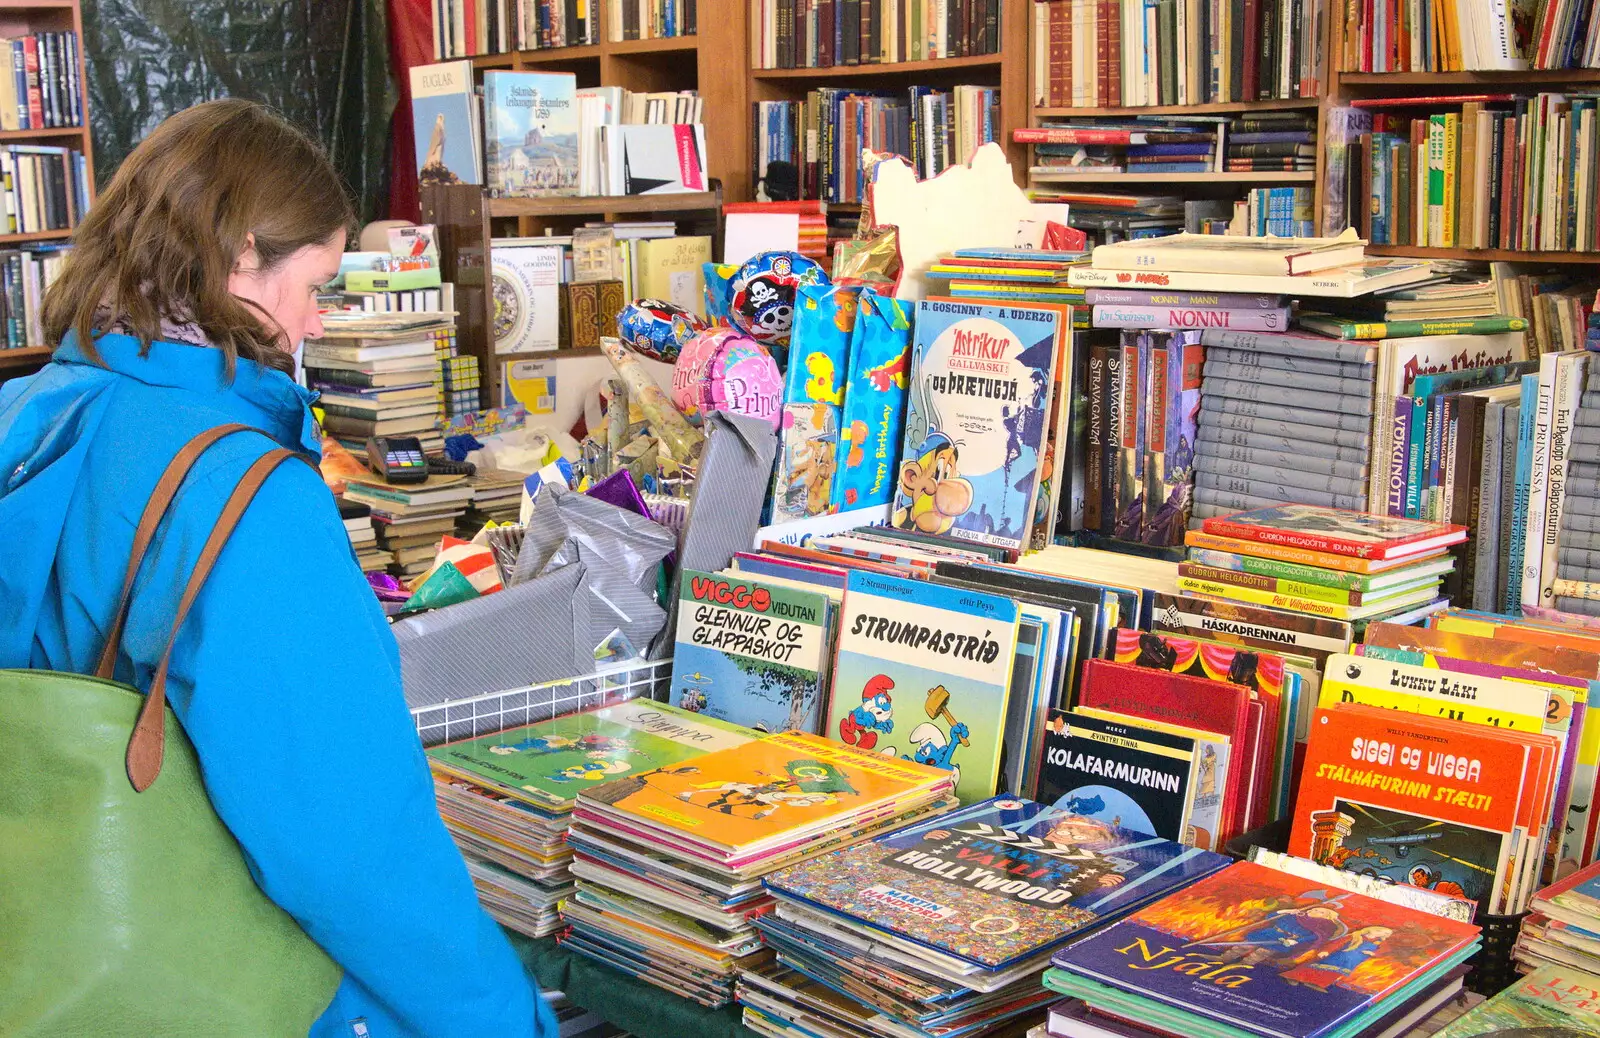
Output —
(657, 329)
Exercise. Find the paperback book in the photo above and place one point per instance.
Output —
(1121, 774)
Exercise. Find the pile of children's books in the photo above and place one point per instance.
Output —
(943, 927)
(507, 798)
(1346, 565)
(1562, 928)
(669, 861)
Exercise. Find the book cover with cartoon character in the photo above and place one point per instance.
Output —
(761, 793)
(923, 672)
(1274, 954)
(996, 881)
(874, 403)
(1118, 772)
(981, 382)
(548, 763)
(1551, 1000)
(750, 653)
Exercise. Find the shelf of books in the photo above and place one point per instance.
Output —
(591, 205)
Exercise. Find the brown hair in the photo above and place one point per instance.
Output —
(161, 241)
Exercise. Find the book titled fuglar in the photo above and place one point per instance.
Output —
(1191, 317)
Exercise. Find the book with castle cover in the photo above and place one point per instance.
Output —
(994, 882)
(1432, 802)
(1119, 772)
(1272, 954)
(923, 672)
(549, 762)
(981, 382)
(1550, 1000)
(759, 798)
(751, 653)
(530, 134)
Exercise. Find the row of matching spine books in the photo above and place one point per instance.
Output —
(1260, 142)
(823, 136)
(469, 28)
(827, 33)
(1566, 394)
(44, 90)
(45, 189)
(24, 276)
(1105, 53)
(649, 19)
(1509, 173)
(1451, 36)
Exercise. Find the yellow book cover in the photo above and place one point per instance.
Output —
(1233, 592)
(672, 269)
(787, 784)
(1424, 690)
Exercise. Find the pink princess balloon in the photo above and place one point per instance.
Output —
(726, 370)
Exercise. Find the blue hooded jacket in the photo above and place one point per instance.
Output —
(285, 677)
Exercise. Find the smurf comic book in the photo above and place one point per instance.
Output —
(874, 403)
(813, 401)
(546, 764)
(997, 881)
(923, 673)
(1273, 954)
(981, 382)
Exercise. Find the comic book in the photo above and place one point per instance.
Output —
(923, 673)
(1213, 758)
(547, 763)
(994, 882)
(759, 797)
(1436, 803)
(1120, 773)
(1550, 1000)
(981, 382)
(751, 653)
(1270, 953)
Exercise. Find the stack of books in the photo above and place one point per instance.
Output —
(1351, 566)
(496, 497)
(1272, 141)
(1562, 928)
(1111, 216)
(1166, 144)
(378, 376)
(507, 798)
(25, 274)
(1251, 950)
(410, 519)
(363, 537)
(945, 926)
(811, 216)
(669, 862)
(1011, 274)
(1550, 998)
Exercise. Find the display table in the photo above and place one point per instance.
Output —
(637, 1007)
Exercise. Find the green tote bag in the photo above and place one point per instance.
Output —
(126, 907)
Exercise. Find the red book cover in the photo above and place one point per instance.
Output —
(1360, 535)
(1431, 101)
(1072, 135)
(1414, 799)
(1211, 706)
(30, 51)
(1102, 37)
(1252, 49)
(803, 207)
(1113, 55)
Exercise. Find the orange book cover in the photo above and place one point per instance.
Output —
(1302, 556)
(1414, 799)
(790, 783)
(1558, 656)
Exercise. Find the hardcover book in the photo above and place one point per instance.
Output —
(981, 380)
(444, 115)
(923, 673)
(749, 652)
(1550, 1000)
(527, 308)
(1338, 532)
(530, 134)
(549, 762)
(995, 882)
(1272, 954)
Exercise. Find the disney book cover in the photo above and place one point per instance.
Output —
(547, 763)
(1273, 954)
(923, 673)
(750, 653)
(981, 383)
(996, 881)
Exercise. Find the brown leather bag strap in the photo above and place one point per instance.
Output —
(148, 744)
(160, 500)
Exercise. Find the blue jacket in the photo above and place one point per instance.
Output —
(286, 677)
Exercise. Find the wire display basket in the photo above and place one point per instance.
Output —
(497, 711)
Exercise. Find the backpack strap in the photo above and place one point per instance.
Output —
(166, 489)
(148, 743)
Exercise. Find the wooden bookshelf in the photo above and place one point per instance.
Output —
(608, 205)
(1483, 255)
(1133, 180)
(13, 362)
(1209, 108)
(1404, 81)
(896, 68)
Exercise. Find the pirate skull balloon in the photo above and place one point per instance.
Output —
(657, 329)
(762, 304)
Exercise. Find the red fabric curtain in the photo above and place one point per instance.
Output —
(410, 44)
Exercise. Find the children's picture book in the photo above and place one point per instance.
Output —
(749, 652)
(981, 381)
(530, 134)
(922, 673)
(1337, 531)
(1120, 773)
(771, 792)
(996, 881)
(1270, 953)
(874, 405)
(444, 116)
(549, 762)
(1551, 1000)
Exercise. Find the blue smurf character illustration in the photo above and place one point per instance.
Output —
(860, 727)
(597, 767)
(549, 743)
